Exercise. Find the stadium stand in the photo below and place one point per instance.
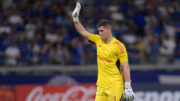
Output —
(42, 31)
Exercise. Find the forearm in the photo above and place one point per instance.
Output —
(126, 72)
(81, 30)
(79, 27)
(128, 92)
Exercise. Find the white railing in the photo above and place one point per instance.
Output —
(77, 69)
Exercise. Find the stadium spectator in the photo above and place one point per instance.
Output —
(153, 53)
(167, 49)
(141, 47)
(77, 51)
(30, 27)
(45, 53)
(12, 55)
(22, 45)
(134, 54)
(129, 38)
(5, 27)
(2, 54)
(31, 24)
(170, 30)
(177, 54)
(15, 17)
(59, 51)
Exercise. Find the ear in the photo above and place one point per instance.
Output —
(109, 29)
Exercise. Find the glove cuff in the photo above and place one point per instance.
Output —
(128, 84)
(76, 19)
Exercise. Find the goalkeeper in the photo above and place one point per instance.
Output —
(113, 82)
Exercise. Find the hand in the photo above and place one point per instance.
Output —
(76, 11)
(128, 92)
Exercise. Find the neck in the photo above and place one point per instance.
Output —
(109, 39)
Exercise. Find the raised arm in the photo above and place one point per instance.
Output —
(79, 27)
(128, 92)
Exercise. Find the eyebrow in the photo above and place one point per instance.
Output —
(101, 30)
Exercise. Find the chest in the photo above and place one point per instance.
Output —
(107, 51)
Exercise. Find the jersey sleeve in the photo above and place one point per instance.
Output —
(122, 53)
(93, 37)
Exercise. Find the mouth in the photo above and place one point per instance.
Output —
(102, 37)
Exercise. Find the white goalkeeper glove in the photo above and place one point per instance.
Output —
(75, 14)
(128, 92)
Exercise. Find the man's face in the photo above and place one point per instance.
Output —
(104, 32)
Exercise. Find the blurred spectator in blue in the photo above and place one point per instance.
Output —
(60, 55)
(130, 19)
(90, 57)
(153, 52)
(77, 51)
(64, 36)
(5, 27)
(71, 29)
(90, 26)
(120, 29)
(35, 48)
(157, 28)
(177, 53)
(45, 53)
(2, 54)
(99, 6)
(134, 54)
(52, 57)
(60, 17)
(23, 47)
(33, 24)
(39, 9)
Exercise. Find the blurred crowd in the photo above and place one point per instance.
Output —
(40, 32)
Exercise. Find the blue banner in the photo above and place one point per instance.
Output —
(136, 76)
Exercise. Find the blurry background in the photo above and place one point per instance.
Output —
(39, 44)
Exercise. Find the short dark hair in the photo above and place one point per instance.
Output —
(105, 23)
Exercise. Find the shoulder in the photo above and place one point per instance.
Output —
(94, 35)
(120, 46)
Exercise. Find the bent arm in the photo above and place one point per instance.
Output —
(81, 30)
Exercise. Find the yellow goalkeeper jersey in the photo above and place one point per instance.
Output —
(108, 56)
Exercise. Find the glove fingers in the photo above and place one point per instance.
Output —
(131, 97)
(128, 99)
(124, 95)
(78, 6)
